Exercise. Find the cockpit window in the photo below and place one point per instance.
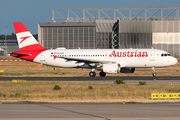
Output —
(163, 55)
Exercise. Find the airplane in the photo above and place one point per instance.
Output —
(103, 60)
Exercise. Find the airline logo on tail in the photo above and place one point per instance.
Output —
(24, 38)
(28, 45)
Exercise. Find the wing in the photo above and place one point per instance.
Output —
(88, 61)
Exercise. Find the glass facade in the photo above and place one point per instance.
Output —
(68, 37)
(166, 36)
(115, 34)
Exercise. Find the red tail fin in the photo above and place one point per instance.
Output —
(28, 45)
(25, 39)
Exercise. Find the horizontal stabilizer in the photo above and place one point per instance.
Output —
(20, 54)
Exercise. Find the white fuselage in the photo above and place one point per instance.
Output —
(130, 58)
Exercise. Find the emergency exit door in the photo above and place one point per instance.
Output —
(152, 56)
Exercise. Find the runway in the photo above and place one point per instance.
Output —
(89, 111)
(128, 80)
(91, 78)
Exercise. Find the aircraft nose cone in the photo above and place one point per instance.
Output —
(174, 61)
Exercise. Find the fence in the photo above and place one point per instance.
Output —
(15, 62)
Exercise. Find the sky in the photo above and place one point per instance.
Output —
(32, 12)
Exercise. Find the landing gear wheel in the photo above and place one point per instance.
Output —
(92, 74)
(102, 74)
(154, 74)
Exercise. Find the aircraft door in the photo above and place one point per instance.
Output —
(152, 56)
(42, 58)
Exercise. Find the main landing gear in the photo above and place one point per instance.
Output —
(154, 72)
(93, 74)
(102, 74)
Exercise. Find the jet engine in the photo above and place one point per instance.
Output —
(111, 68)
(127, 70)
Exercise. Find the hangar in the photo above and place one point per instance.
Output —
(113, 28)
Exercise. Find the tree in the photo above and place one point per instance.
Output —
(13, 36)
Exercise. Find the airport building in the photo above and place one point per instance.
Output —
(7, 46)
(113, 28)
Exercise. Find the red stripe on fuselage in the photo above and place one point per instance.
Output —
(33, 50)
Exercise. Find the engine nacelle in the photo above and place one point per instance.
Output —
(111, 68)
(127, 70)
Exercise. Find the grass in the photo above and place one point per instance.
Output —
(39, 73)
(77, 91)
(142, 83)
(57, 87)
(90, 87)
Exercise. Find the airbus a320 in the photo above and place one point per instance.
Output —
(103, 60)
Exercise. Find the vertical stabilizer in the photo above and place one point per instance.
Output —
(25, 39)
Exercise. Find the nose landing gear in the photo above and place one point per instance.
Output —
(154, 72)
